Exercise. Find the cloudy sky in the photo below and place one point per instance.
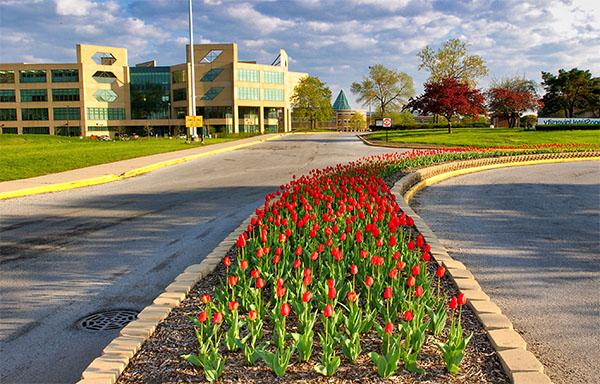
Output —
(336, 40)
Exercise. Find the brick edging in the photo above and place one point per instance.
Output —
(521, 366)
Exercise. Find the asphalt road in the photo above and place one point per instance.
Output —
(531, 237)
(69, 254)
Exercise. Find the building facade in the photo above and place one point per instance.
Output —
(101, 95)
(344, 115)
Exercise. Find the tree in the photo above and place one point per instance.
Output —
(570, 92)
(312, 100)
(452, 61)
(448, 97)
(398, 118)
(512, 97)
(357, 121)
(386, 88)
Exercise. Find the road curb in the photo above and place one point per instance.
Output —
(132, 173)
(398, 145)
(521, 366)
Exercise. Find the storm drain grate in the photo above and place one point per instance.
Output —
(105, 320)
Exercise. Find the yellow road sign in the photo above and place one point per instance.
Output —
(194, 121)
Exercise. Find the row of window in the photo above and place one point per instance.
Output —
(253, 76)
(40, 76)
(62, 113)
(30, 95)
(269, 94)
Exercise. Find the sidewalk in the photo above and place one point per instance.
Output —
(104, 173)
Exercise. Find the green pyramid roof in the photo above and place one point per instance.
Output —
(341, 103)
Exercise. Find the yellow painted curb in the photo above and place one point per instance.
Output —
(134, 172)
(446, 175)
(58, 187)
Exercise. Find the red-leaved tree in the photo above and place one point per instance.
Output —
(511, 98)
(448, 97)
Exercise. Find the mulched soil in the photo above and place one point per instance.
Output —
(159, 361)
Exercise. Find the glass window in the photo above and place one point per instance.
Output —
(179, 76)
(215, 112)
(65, 75)
(67, 130)
(104, 77)
(36, 130)
(211, 75)
(8, 114)
(249, 75)
(211, 56)
(106, 113)
(32, 76)
(105, 95)
(34, 95)
(150, 92)
(34, 114)
(273, 94)
(248, 93)
(7, 96)
(212, 93)
(65, 94)
(180, 112)
(179, 94)
(10, 130)
(67, 113)
(7, 77)
(273, 77)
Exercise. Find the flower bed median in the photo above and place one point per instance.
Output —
(330, 278)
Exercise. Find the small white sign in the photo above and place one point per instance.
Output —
(379, 123)
(566, 121)
(387, 122)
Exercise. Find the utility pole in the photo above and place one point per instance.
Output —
(192, 74)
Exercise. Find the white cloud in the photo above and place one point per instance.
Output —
(261, 23)
(74, 7)
(388, 5)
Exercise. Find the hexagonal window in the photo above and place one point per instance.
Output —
(104, 58)
(106, 95)
(104, 77)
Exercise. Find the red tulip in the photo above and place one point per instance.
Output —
(426, 256)
(307, 280)
(440, 272)
(280, 291)
(217, 318)
(233, 280)
(369, 281)
(358, 236)
(297, 264)
(393, 273)
(397, 255)
(352, 296)
(260, 283)
(420, 240)
(328, 311)
(298, 251)
(400, 265)
(252, 315)
(416, 270)
(453, 303)
(330, 283)
(244, 264)
(255, 273)
(331, 293)
(241, 241)
(307, 272)
(314, 256)
(410, 282)
(233, 305)
(389, 328)
(408, 315)
(202, 317)
(282, 238)
(205, 298)
(364, 253)
(306, 296)
(462, 299)
(227, 261)
(285, 309)
(387, 293)
(411, 245)
(353, 269)
(419, 291)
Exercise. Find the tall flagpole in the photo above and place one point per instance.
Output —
(192, 73)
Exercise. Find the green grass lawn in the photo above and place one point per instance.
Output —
(23, 156)
(489, 137)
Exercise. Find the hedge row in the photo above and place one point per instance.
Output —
(432, 126)
(560, 127)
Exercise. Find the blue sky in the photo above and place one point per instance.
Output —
(336, 40)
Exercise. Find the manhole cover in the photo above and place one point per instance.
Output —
(105, 320)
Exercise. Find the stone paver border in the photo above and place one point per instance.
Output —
(520, 364)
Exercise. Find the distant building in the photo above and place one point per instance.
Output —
(100, 94)
(343, 115)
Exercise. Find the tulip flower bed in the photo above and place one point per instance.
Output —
(332, 276)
